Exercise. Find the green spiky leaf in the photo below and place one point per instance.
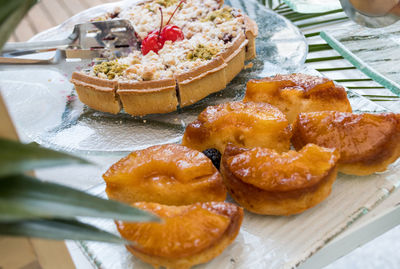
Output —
(11, 13)
(59, 230)
(23, 197)
(16, 158)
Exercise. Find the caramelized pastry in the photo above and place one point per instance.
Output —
(167, 174)
(244, 124)
(189, 235)
(297, 93)
(266, 182)
(368, 143)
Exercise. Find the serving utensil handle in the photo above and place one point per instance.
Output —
(8, 60)
(37, 45)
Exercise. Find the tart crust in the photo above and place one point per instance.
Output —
(251, 34)
(141, 98)
(235, 57)
(97, 93)
(201, 82)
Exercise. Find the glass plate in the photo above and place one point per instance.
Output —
(277, 242)
(313, 6)
(376, 52)
(56, 119)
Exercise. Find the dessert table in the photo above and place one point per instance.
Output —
(380, 217)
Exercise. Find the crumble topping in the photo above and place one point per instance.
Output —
(208, 29)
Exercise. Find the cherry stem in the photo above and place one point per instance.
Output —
(176, 9)
(161, 25)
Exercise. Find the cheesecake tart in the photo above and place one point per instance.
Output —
(367, 143)
(201, 45)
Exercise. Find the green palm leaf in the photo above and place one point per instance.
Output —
(16, 158)
(23, 197)
(11, 13)
(59, 230)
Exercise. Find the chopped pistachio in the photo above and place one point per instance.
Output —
(110, 69)
(224, 13)
(149, 8)
(166, 3)
(202, 52)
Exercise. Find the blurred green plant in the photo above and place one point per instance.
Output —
(30, 207)
(11, 13)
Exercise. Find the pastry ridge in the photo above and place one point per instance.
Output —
(234, 57)
(141, 98)
(201, 82)
(97, 93)
(251, 34)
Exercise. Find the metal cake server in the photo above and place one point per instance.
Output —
(88, 40)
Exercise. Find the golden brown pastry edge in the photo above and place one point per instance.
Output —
(287, 203)
(372, 164)
(198, 258)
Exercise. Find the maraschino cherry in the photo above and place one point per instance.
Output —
(152, 42)
(155, 40)
(172, 32)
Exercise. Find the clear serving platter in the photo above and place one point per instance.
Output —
(313, 6)
(375, 52)
(56, 118)
(277, 242)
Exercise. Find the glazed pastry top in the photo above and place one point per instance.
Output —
(272, 171)
(358, 137)
(185, 231)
